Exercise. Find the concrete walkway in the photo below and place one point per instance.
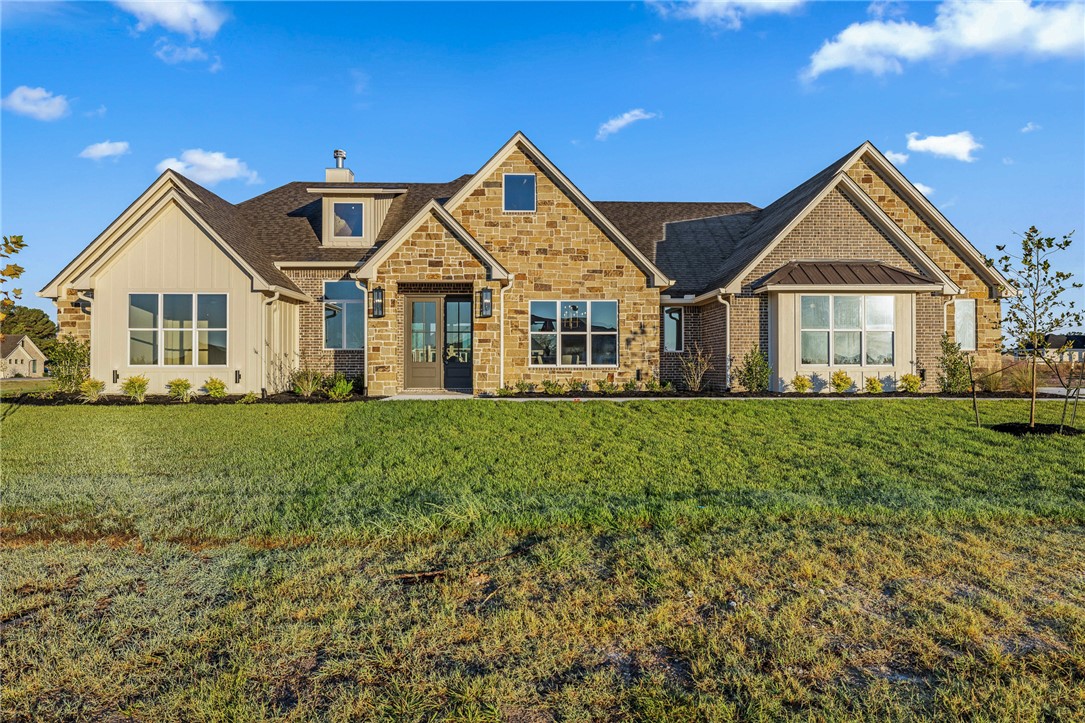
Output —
(888, 397)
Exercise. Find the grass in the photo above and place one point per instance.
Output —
(687, 560)
(14, 387)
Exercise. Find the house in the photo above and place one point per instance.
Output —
(511, 273)
(20, 356)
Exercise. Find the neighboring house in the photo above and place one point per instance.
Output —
(512, 274)
(20, 355)
(1066, 347)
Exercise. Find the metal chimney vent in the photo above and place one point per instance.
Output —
(340, 156)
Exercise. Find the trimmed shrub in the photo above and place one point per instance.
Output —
(754, 372)
(90, 391)
(630, 386)
(70, 363)
(953, 368)
(873, 385)
(840, 381)
(215, 388)
(505, 391)
(135, 388)
(802, 384)
(525, 387)
(652, 385)
(576, 386)
(339, 388)
(179, 389)
(553, 388)
(605, 386)
(910, 383)
(249, 398)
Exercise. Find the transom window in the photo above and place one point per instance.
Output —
(177, 329)
(672, 328)
(344, 315)
(849, 330)
(519, 192)
(574, 333)
(348, 220)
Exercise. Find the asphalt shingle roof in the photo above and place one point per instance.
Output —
(10, 343)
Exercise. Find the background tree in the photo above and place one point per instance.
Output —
(8, 273)
(35, 323)
(1038, 309)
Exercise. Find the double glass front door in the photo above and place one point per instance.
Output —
(438, 346)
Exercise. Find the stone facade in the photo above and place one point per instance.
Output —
(73, 316)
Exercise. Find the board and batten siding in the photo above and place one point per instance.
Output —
(172, 254)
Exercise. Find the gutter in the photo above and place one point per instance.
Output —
(727, 339)
(365, 334)
(501, 331)
(263, 347)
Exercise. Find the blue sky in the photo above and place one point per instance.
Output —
(725, 102)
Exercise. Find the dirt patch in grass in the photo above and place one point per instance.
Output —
(1022, 429)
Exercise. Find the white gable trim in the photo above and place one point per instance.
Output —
(853, 191)
(369, 269)
(656, 277)
(949, 232)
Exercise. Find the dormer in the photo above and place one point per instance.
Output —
(351, 213)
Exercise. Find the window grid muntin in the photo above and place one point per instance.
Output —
(589, 335)
(864, 330)
(192, 329)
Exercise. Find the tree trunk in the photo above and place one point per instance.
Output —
(1032, 406)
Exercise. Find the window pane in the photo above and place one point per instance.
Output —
(847, 312)
(544, 349)
(520, 192)
(879, 313)
(343, 290)
(348, 219)
(672, 329)
(964, 323)
(846, 347)
(879, 347)
(544, 315)
(574, 348)
(142, 311)
(177, 311)
(177, 348)
(143, 347)
(355, 325)
(815, 312)
(333, 326)
(604, 316)
(212, 347)
(604, 348)
(815, 347)
(574, 316)
(211, 311)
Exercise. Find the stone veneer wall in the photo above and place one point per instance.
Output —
(350, 362)
(835, 229)
(909, 218)
(559, 253)
(73, 316)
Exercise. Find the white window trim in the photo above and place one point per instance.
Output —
(534, 196)
(681, 330)
(863, 331)
(161, 331)
(323, 322)
(558, 365)
(354, 239)
(975, 325)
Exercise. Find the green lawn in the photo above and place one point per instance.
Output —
(666, 560)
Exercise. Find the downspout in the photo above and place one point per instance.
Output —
(365, 335)
(263, 347)
(501, 332)
(726, 340)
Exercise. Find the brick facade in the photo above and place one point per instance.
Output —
(313, 355)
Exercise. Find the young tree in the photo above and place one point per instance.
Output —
(9, 272)
(35, 323)
(1038, 309)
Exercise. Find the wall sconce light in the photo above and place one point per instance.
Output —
(378, 302)
(237, 376)
(116, 376)
(486, 303)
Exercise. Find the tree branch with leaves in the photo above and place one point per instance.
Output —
(8, 273)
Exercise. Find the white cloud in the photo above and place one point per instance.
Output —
(961, 28)
(105, 149)
(37, 103)
(172, 54)
(656, 37)
(1030, 127)
(886, 9)
(724, 13)
(897, 159)
(98, 112)
(193, 18)
(924, 189)
(617, 123)
(209, 167)
(960, 146)
(1007, 161)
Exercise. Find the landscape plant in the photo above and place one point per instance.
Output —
(576, 386)
(339, 388)
(306, 381)
(552, 387)
(90, 390)
(525, 387)
(909, 383)
(179, 389)
(135, 388)
(840, 381)
(70, 363)
(873, 385)
(249, 398)
(1038, 309)
(606, 386)
(754, 373)
(630, 385)
(952, 368)
(215, 388)
(802, 383)
(988, 381)
(694, 364)
(651, 384)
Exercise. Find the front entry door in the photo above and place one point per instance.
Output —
(422, 365)
(457, 343)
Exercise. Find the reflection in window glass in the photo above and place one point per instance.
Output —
(544, 349)
(879, 347)
(544, 316)
(574, 316)
(348, 220)
(143, 311)
(212, 347)
(168, 338)
(142, 348)
(849, 330)
(964, 323)
(344, 315)
(586, 333)
(815, 312)
(847, 312)
(176, 311)
(672, 328)
(847, 347)
(815, 347)
(519, 192)
(211, 311)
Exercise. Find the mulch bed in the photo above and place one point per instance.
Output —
(1021, 429)
(60, 399)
